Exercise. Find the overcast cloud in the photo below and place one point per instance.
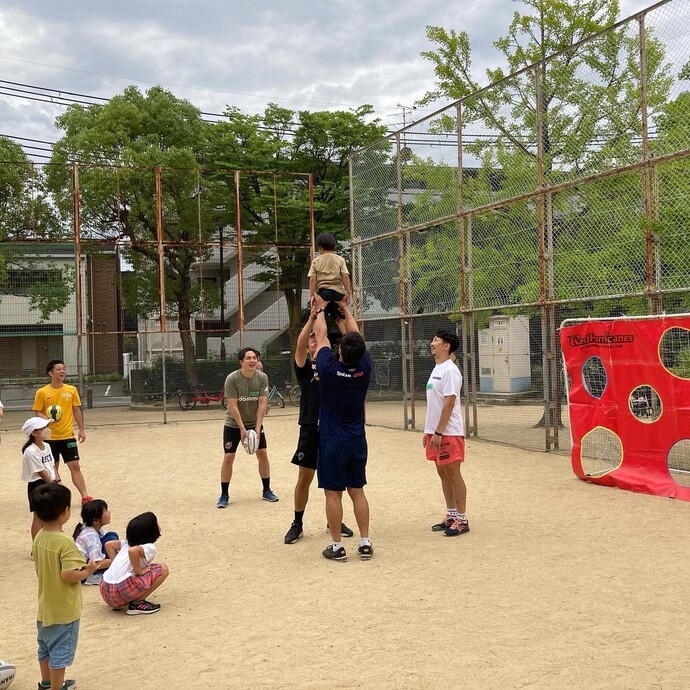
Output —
(302, 55)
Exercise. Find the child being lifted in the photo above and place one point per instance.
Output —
(328, 275)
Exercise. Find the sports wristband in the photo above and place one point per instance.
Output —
(437, 433)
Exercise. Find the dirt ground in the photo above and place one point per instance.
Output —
(559, 584)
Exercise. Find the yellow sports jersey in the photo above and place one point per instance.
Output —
(58, 601)
(67, 397)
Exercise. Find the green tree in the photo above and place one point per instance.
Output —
(275, 210)
(590, 114)
(27, 215)
(118, 145)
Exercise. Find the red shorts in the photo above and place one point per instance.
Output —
(131, 589)
(452, 449)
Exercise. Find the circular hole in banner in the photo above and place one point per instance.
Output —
(594, 377)
(679, 462)
(601, 452)
(645, 404)
(674, 352)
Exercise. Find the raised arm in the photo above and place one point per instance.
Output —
(302, 347)
(351, 325)
(320, 327)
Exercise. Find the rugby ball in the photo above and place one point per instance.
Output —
(251, 442)
(7, 674)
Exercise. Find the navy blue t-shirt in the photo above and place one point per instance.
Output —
(343, 390)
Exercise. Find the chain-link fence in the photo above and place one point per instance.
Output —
(561, 191)
(148, 281)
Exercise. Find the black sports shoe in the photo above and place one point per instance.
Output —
(137, 608)
(443, 525)
(366, 551)
(339, 555)
(458, 527)
(294, 533)
(345, 531)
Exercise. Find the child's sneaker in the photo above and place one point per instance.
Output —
(136, 608)
(458, 527)
(94, 578)
(443, 525)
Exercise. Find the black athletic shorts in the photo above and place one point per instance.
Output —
(307, 446)
(342, 463)
(232, 437)
(67, 448)
(30, 489)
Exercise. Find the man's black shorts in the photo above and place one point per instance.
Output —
(232, 437)
(67, 448)
(307, 446)
(342, 463)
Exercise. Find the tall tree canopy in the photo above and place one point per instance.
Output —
(590, 113)
(292, 142)
(140, 131)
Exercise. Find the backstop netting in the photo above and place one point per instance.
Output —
(147, 281)
(560, 191)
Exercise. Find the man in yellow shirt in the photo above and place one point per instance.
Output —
(62, 441)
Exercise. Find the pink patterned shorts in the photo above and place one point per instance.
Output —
(131, 589)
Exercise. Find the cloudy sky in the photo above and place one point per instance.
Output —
(302, 55)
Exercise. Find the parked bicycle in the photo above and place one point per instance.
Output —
(295, 395)
(189, 399)
(274, 395)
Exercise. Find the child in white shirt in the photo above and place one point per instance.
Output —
(93, 541)
(38, 464)
(133, 576)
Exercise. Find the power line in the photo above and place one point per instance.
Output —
(37, 93)
(184, 86)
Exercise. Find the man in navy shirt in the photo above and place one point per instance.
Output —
(342, 459)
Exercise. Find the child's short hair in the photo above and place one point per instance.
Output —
(325, 241)
(50, 500)
(143, 529)
(243, 353)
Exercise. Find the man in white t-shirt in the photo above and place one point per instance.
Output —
(444, 433)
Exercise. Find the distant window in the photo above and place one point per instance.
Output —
(20, 281)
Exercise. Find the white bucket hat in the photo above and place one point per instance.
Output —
(34, 424)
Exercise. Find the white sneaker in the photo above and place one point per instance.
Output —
(94, 579)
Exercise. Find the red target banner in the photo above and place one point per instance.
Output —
(629, 402)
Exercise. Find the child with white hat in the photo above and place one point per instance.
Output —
(38, 464)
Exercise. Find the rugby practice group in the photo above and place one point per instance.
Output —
(333, 379)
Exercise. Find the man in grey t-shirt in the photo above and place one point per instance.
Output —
(247, 393)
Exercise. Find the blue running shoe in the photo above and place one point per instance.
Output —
(223, 501)
(270, 496)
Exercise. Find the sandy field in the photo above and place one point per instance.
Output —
(559, 584)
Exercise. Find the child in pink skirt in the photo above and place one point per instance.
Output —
(132, 576)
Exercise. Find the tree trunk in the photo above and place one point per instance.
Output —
(293, 297)
(184, 322)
